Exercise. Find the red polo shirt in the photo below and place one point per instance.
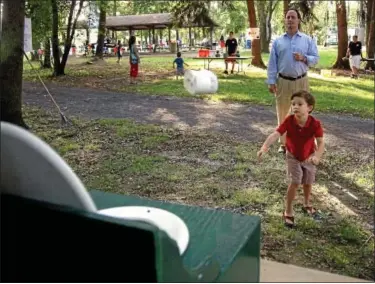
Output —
(300, 141)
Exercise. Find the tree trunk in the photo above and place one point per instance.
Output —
(190, 43)
(47, 53)
(342, 34)
(161, 36)
(177, 37)
(153, 40)
(11, 57)
(114, 14)
(370, 3)
(255, 49)
(263, 25)
(59, 67)
(55, 39)
(101, 31)
(371, 41)
(286, 6)
(88, 35)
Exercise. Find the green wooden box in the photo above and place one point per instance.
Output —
(42, 242)
(217, 237)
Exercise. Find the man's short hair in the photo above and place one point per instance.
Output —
(355, 36)
(230, 32)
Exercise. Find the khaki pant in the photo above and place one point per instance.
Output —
(285, 90)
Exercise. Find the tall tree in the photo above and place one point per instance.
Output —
(11, 58)
(306, 7)
(265, 12)
(286, 6)
(262, 16)
(59, 67)
(370, 45)
(41, 25)
(255, 49)
(342, 34)
(101, 29)
(114, 11)
(369, 4)
(187, 11)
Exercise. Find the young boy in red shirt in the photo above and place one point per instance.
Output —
(302, 155)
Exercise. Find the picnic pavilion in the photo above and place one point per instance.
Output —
(152, 22)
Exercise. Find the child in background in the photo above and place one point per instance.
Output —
(134, 60)
(118, 51)
(302, 156)
(180, 65)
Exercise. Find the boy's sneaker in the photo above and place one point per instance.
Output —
(225, 72)
(281, 150)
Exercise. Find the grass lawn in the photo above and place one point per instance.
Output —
(333, 94)
(218, 171)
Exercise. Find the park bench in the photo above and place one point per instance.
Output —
(48, 234)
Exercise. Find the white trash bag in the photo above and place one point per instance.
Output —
(200, 82)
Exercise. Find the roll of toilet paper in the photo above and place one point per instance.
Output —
(200, 82)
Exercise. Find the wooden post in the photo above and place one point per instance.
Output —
(153, 39)
(189, 38)
(211, 36)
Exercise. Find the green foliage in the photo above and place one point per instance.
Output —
(41, 22)
(151, 7)
(234, 19)
(197, 12)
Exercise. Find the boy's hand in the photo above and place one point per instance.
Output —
(314, 160)
(261, 152)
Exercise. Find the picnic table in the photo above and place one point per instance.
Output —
(210, 59)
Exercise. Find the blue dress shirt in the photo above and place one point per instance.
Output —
(282, 60)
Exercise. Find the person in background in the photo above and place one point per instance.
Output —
(231, 49)
(354, 53)
(180, 65)
(222, 43)
(134, 60)
(118, 51)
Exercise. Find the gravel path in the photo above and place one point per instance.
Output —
(249, 122)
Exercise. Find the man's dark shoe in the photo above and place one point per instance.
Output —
(231, 72)
(225, 72)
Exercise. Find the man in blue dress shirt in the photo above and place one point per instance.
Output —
(291, 55)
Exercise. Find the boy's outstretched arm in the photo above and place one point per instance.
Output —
(269, 141)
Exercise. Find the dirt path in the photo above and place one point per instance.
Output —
(248, 122)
